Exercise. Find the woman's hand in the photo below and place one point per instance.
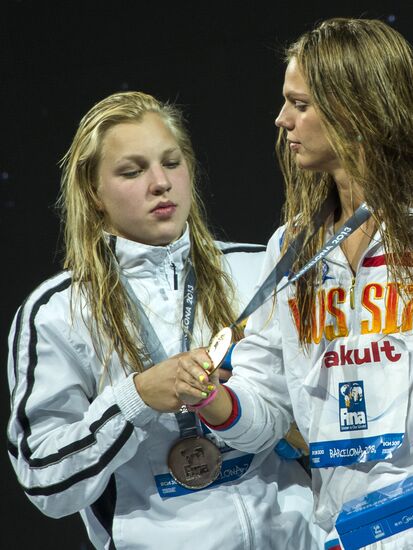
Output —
(156, 385)
(193, 381)
(166, 386)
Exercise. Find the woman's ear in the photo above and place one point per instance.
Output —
(99, 204)
(97, 201)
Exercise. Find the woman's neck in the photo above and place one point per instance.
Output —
(350, 196)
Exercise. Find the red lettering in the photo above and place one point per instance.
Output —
(388, 350)
(336, 296)
(371, 292)
(331, 359)
(318, 334)
(345, 356)
(392, 303)
(376, 353)
(367, 355)
(360, 360)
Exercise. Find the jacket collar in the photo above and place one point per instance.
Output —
(134, 256)
(337, 255)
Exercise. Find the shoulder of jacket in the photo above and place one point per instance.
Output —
(276, 240)
(233, 248)
(45, 291)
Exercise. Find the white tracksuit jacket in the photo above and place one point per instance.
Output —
(80, 442)
(358, 318)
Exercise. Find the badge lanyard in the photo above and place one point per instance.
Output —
(188, 423)
(284, 265)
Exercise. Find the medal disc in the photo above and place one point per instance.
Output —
(194, 462)
(219, 347)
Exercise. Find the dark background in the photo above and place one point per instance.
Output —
(220, 61)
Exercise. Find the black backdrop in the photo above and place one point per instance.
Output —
(219, 60)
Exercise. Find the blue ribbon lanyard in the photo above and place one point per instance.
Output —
(188, 422)
(284, 265)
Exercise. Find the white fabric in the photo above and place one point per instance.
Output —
(270, 355)
(74, 433)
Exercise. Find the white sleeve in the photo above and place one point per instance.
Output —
(64, 440)
(258, 380)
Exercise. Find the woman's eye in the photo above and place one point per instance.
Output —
(171, 164)
(300, 106)
(131, 173)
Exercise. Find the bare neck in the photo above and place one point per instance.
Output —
(351, 196)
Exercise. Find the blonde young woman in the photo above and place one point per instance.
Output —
(341, 336)
(94, 352)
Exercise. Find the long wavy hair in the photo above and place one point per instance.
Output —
(360, 76)
(88, 254)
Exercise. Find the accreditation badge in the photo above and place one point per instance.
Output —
(359, 395)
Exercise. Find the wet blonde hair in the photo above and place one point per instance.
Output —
(360, 76)
(88, 254)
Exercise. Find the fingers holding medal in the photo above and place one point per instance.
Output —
(193, 382)
(197, 372)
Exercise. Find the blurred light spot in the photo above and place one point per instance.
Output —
(391, 18)
(4, 176)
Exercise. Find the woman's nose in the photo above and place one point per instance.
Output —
(283, 120)
(160, 181)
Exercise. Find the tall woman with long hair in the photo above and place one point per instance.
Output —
(96, 424)
(341, 335)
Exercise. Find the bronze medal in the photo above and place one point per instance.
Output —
(194, 462)
(219, 347)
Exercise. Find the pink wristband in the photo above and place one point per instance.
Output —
(204, 402)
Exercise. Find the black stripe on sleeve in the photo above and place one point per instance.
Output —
(12, 449)
(16, 339)
(21, 410)
(75, 446)
(91, 471)
(243, 248)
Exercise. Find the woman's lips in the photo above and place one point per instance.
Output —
(164, 211)
(294, 145)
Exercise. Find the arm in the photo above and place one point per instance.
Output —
(252, 410)
(65, 438)
(258, 383)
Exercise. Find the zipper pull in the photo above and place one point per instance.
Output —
(352, 304)
(175, 276)
(173, 267)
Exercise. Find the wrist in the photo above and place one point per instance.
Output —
(139, 381)
(204, 403)
(225, 413)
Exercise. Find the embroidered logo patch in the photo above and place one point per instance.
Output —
(352, 406)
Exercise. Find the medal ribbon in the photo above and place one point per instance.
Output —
(188, 423)
(284, 265)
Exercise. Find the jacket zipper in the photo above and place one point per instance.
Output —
(244, 520)
(352, 302)
(353, 278)
(173, 267)
(175, 276)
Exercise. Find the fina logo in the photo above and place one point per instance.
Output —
(352, 406)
